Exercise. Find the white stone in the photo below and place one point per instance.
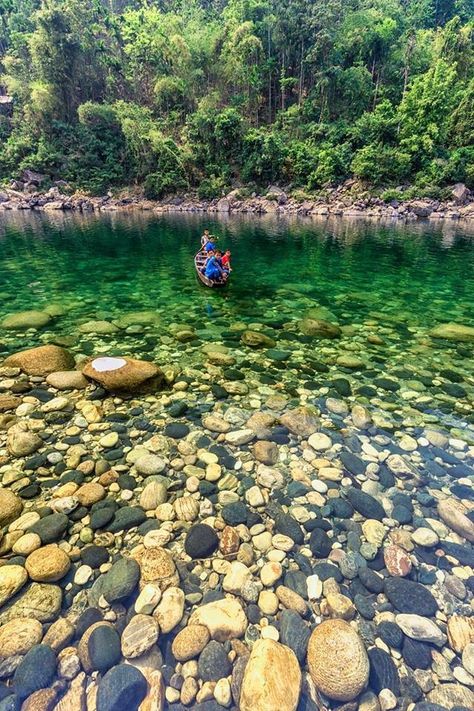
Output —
(106, 364)
(148, 599)
(315, 587)
(421, 628)
(320, 442)
(236, 578)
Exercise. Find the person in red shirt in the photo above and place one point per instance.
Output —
(225, 261)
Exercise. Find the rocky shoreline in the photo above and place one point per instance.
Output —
(337, 202)
(223, 536)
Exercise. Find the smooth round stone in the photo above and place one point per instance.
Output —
(35, 671)
(139, 636)
(176, 430)
(150, 464)
(148, 599)
(213, 663)
(19, 635)
(47, 564)
(294, 633)
(190, 642)
(289, 526)
(103, 648)
(320, 544)
(270, 573)
(410, 597)
(120, 581)
(11, 506)
(268, 602)
(12, 579)
(28, 543)
(94, 556)
(425, 537)
(122, 687)
(416, 654)
(365, 504)
(109, 440)
(337, 660)
(50, 528)
(201, 541)
(468, 658)
(320, 442)
(383, 672)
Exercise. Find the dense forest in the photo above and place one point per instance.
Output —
(174, 95)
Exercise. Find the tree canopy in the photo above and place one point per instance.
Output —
(170, 95)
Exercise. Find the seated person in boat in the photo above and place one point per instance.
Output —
(213, 269)
(225, 261)
(210, 246)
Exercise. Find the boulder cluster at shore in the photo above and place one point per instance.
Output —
(348, 200)
(265, 529)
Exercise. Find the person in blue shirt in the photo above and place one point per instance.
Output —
(213, 269)
(210, 246)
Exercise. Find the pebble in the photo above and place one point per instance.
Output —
(268, 664)
(122, 687)
(35, 671)
(337, 660)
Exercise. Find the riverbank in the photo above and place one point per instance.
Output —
(338, 202)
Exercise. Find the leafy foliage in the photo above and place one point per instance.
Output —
(210, 94)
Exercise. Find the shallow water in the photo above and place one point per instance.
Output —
(392, 281)
(417, 274)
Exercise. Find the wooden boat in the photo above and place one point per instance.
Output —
(199, 262)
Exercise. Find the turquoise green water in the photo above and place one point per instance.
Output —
(395, 282)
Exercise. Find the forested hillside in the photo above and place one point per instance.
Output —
(210, 94)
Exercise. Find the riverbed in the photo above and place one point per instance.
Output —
(316, 417)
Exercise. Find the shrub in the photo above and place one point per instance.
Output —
(212, 187)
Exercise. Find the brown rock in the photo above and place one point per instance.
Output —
(230, 541)
(59, 634)
(75, 698)
(265, 452)
(337, 660)
(454, 514)
(190, 642)
(319, 328)
(460, 632)
(155, 698)
(41, 700)
(19, 635)
(157, 566)
(302, 421)
(225, 619)
(255, 339)
(9, 402)
(21, 442)
(12, 579)
(396, 561)
(11, 506)
(124, 374)
(449, 695)
(39, 601)
(291, 600)
(262, 687)
(48, 564)
(42, 360)
(67, 380)
(90, 493)
(139, 636)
